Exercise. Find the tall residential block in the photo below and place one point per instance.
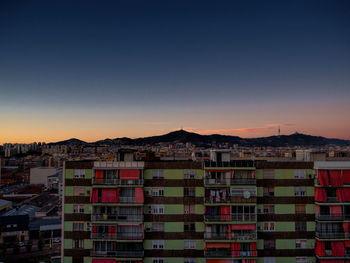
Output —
(215, 211)
(332, 199)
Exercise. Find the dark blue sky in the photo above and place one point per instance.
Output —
(136, 58)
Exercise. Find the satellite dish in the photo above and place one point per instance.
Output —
(246, 194)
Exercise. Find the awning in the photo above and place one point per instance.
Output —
(217, 245)
(104, 261)
(243, 227)
(129, 174)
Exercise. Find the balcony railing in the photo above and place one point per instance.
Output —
(236, 163)
(332, 217)
(230, 199)
(126, 199)
(227, 236)
(114, 217)
(118, 235)
(229, 253)
(238, 218)
(228, 181)
(329, 235)
(121, 254)
(109, 181)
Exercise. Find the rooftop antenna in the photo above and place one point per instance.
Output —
(279, 131)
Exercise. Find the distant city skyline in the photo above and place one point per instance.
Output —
(94, 70)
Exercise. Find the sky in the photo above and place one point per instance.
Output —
(107, 69)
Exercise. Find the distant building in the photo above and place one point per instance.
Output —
(14, 229)
(39, 175)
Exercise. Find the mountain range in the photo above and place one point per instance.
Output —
(182, 136)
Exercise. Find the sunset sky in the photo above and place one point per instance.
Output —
(106, 69)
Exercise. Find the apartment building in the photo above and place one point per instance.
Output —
(286, 212)
(217, 211)
(332, 197)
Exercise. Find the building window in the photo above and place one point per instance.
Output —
(78, 243)
(157, 191)
(158, 174)
(269, 244)
(189, 260)
(78, 226)
(300, 243)
(189, 191)
(301, 260)
(157, 244)
(269, 209)
(78, 190)
(78, 209)
(189, 174)
(300, 191)
(79, 173)
(269, 191)
(300, 226)
(300, 209)
(269, 226)
(157, 260)
(268, 173)
(158, 227)
(299, 174)
(269, 260)
(189, 244)
(189, 227)
(189, 209)
(156, 209)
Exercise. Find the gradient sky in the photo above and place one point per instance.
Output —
(98, 69)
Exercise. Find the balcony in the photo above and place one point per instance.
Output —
(118, 236)
(229, 218)
(126, 199)
(116, 182)
(229, 253)
(236, 163)
(332, 235)
(226, 236)
(120, 254)
(234, 181)
(116, 217)
(335, 217)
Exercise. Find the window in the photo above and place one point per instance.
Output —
(301, 260)
(189, 260)
(300, 191)
(300, 243)
(243, 192)
(268, 173)
(158, 173)
(157, 209)
(189, 227)
(79, 173)
(300, 226)
(269, 226)
(189, 174)
(188, 209)
(300, 209)
(79, 209)
(78, 243)
(158, 227)
(157, 244)
(269, 244)
(157, 260)
(269, 191)
(78, 190)
(269, 260)
(299, 174)
(78, 226)
(189, 244)
(269, 209)
(189, 191)
(158, 192)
